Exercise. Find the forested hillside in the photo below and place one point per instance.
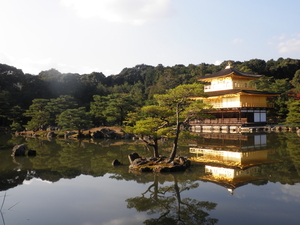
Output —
(25, 99)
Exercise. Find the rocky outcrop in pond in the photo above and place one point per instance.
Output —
(21, 150)
(106, 133)
(157, 164)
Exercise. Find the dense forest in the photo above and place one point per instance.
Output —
(47, 99)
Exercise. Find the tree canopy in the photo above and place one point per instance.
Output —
(75, 119)
(293, 116)
(174, 110)
(136, 86)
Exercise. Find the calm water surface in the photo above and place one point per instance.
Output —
(235, 179)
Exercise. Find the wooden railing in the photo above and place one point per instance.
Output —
(239, 104)
(220, 121)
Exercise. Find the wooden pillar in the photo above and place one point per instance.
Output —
(222, 116)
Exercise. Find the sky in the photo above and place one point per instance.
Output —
(85, 36)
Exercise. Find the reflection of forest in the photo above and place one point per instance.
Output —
(63, 159)
(68, 159)
(233, 160)
(58, 159)
(165, 202)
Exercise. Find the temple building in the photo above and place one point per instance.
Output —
(234, 99)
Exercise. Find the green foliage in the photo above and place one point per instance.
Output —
(293, 116)
(255, 66)
(179, 101)
(4, 103)
(163, 113)
(282, 68)
(296, 80)
(89, 85)
(45, 111)
(97, 108)
(16, 114)
(56, 106)
(137, 93)
(180, 95)
(150, 130)
(117, 107)
(112, 108)
(38, 105)
(75, 119)
(38, 113)
(175, 108)
(148, 127)
(38, 121)
(16, 126)
(281, 86)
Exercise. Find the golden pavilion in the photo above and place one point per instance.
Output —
(234, 99)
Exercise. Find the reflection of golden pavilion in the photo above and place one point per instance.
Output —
(233, 150)
(232, 141)
(230, 178)
(229, 158)
(232, 161)
(229, 173)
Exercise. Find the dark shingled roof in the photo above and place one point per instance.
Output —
(234, 91)
(229, 71)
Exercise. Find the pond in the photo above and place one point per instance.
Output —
(234, 179)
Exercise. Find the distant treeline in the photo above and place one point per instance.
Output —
(140, 82)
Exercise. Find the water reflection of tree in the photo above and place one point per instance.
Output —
(285, 149)
(293, 144)
(172, 209)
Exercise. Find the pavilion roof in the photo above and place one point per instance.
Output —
(229, 71)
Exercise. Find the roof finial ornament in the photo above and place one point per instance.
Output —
(229, 65)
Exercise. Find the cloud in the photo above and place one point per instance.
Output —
(27, 65)
(282, 37)
(4, 58)
(289, 46)
(122, 11)
(136, 219)
(34, 67)
(28, 182)
(237, 40)
(291, 193)
(31, 66)
(291, 190)
(218, 62)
